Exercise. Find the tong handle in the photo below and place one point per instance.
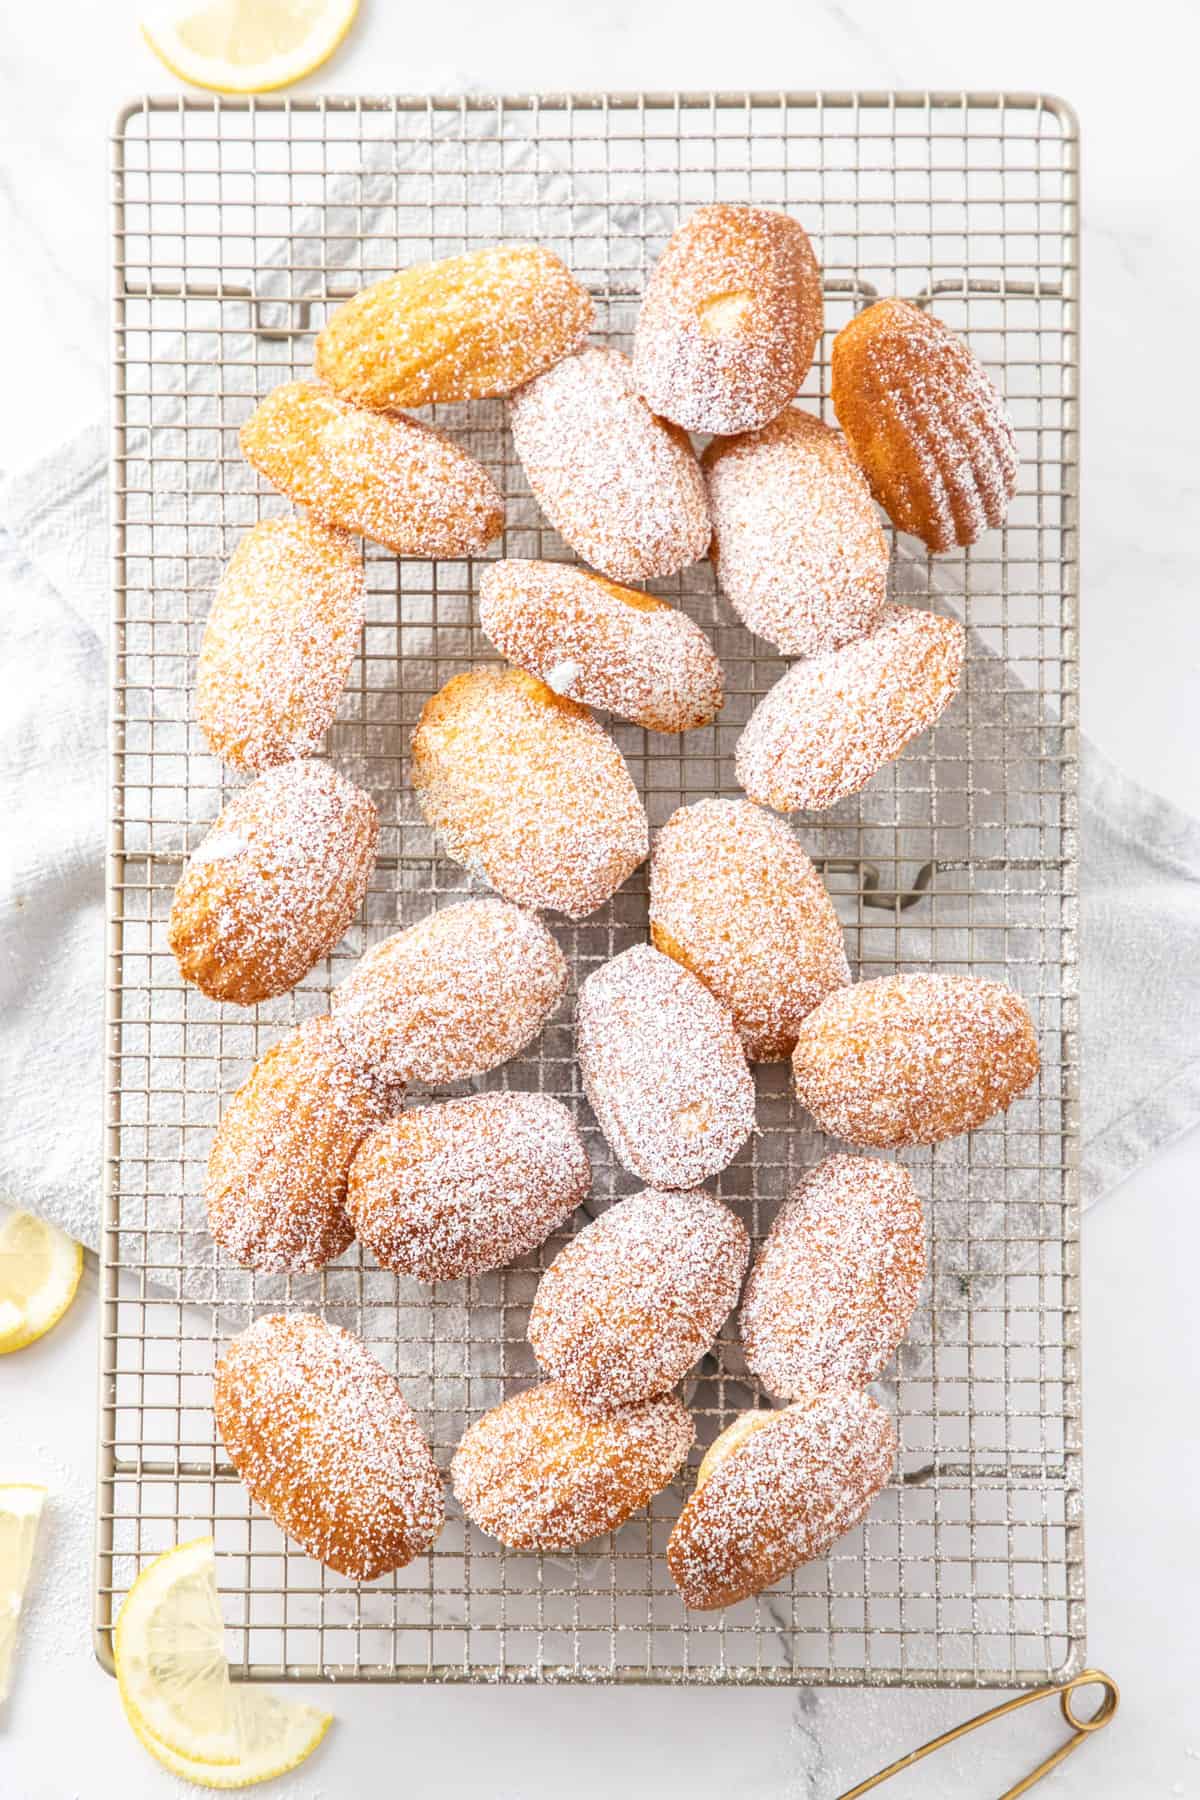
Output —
(1080, 1729)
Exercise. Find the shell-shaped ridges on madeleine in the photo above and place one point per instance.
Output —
(464, 328)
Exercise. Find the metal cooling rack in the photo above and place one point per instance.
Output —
(236, 224)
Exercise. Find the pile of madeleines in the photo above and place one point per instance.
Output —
(526, 789)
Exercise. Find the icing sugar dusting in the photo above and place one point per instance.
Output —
(663, 1069)
(324, 1439)
(913, 1059)
(729, 320)
(834, 1286)
(832, 722)
(734, 898)
(620, 485)
(540, 1472)
(627, 1307)
(383, 475)
(451, 1190)
(797, 546)
(602, 644)
(782, 1496)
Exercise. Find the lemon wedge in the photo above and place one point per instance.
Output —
(40, 1268)
(174, 1682)
(247, 46)
(20, 1515)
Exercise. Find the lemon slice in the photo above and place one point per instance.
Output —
(175, 1686)
(277, 1736)
(20, 1516)
(170, 1657)
(247, 46)
(40, 1268)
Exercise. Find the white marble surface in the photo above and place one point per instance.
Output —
(64, 68)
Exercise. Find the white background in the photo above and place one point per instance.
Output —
(64, 68)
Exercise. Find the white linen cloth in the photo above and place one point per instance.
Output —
(1140, 928)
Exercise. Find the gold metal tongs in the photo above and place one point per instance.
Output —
(1080, 1730)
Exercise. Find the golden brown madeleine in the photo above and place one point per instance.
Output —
(449, 1190)
(454, 995)
(628, 1306)
(663, 1069)
(734, 899)
(776, 1490)
(278, 644)
(913, 1059)
(834, 1286)
(621, 486)
(834, 721)
(460, 329)
(327, 1444)
(539, 1472)
(277, 1170)
(275, 884)
(601, 644)
(925, 422)
(384, 476)
(528, 791)
(797, 546)
(730, 319)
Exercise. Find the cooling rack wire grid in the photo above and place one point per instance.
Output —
(237, 225)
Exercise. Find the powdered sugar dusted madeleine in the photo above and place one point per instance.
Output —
(540, 1472)
(449, 1190)
(628, 1306)
(601, 644)
(326, 1443)
(730, 319)
(528, 791)
(275, 884)
(776, 1490)
(925, 422)
(663, 1069)
(835, 1284)
(454, 995)
(913, 1059)
(277, 1170)
(460, 329)
(384, 476)
(278, 643)
(734, 898)
(797, 545)
(620, 485)
(833, 722)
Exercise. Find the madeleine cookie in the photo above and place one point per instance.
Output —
(278, 644)
(622, 487)
(734, 899)
(384, 476)
(327, 1444)
(528, 791)
(776, 1490)
(833, 722)
(460, 329)
(913, 1059)
(834, 1286)
(275, 884)
(925, 422)
(663, 1069)
(730, 319)
(454, 995)
(277, 1170)
(600, 644)
(539, 1472)
(628, 1306)
(797, 545)
(450, 1190)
